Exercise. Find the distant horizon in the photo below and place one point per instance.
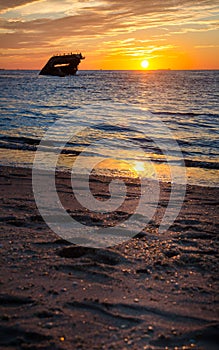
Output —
(121, 70)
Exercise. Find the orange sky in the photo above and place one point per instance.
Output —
(112, 34)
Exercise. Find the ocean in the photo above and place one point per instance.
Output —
(134, 123)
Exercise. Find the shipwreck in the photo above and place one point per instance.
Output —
(62, 65)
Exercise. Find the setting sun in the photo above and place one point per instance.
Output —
(147, 40)
(145, 64)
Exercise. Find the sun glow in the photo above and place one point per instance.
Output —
(139, 166)
(145, 64)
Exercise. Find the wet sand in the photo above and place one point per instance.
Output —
(152, 292)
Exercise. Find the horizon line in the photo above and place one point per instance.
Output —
(122, 70)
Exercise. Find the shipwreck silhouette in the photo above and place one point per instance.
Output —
(62, 65)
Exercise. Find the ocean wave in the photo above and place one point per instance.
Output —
(188, 163)
(186, 102)
(114, 128)
(19, 140)
(189, 114)
(201, 164)
(74, 149)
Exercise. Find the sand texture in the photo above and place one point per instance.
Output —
(155, 291)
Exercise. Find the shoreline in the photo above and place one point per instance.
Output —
(152, 291)
(203, 180)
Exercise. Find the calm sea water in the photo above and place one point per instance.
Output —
(107, 110)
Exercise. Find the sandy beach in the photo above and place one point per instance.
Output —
(152, 292)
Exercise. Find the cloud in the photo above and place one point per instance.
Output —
(28, 25)
(9, 4)
(132, 48)
(206, 46)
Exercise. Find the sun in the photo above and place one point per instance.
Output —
(145, 64)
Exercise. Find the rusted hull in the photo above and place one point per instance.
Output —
(62, 65)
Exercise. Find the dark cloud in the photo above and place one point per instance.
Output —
(141, 7)
(109, 18)
(9, 4)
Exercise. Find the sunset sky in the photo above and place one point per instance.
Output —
(112, 34)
